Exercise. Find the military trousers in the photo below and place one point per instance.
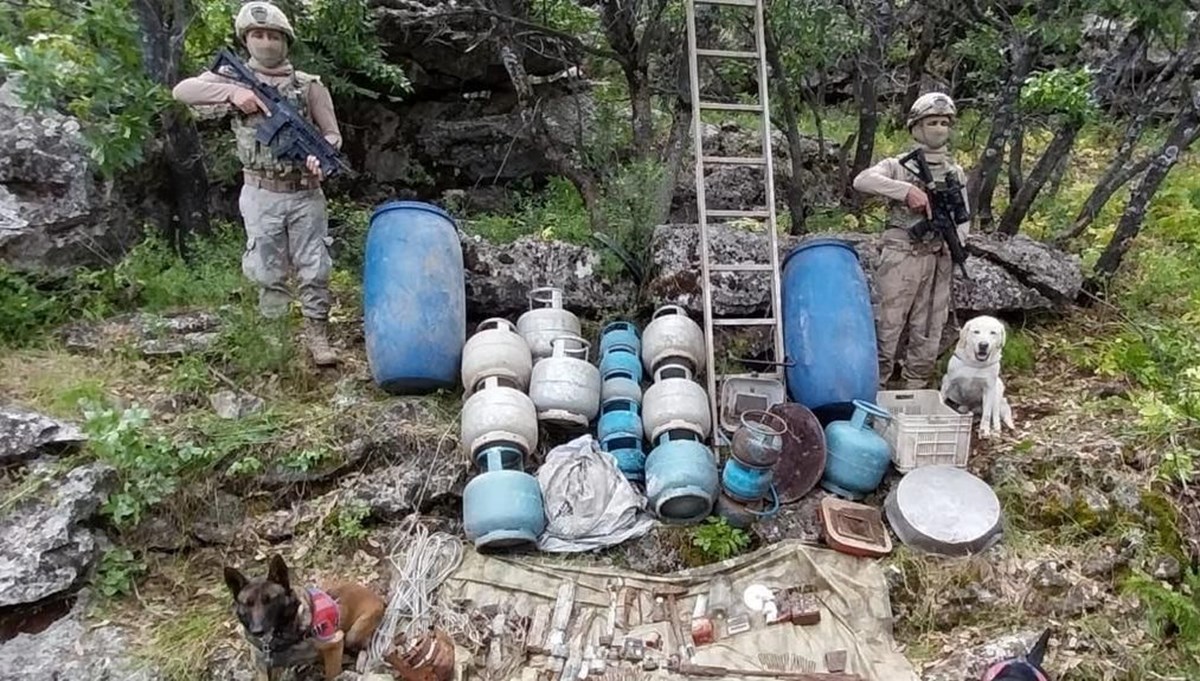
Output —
(287, 231)
(913, 287)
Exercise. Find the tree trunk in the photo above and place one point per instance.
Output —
(1057, 175)
(642, 113)
(793, 191)
(916, 66)
(1180, 136)
(1016, 154)
(993, 152)
(163, 25)
(867, 73)
(1114, 178)
(1064, 139)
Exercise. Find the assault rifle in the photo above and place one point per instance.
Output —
(289, 135)
(947, 205)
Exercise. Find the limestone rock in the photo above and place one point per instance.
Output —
(47, 545)
(54, 214)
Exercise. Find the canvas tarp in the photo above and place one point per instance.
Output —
(855, 610)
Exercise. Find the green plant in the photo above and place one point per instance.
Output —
(1171, 609)
(149, 464)
(346, 521)
(118, 572)
(718, 540)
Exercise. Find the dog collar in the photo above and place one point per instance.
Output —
(996, 669)
(326, 615)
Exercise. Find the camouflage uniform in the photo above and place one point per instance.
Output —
(913, 282)
(282, 204)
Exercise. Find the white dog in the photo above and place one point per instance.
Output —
(972, 379)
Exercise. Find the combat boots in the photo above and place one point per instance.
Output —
(317, 339)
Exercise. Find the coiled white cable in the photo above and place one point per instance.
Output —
(420, 563)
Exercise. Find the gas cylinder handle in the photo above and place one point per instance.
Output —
(669, 309)
(562, 347)
(546, 296)
(496, 323)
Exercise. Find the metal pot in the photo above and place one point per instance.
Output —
(565, 387)
(498, 414)
(672, 336)
(675, 403)
(496, 349)
(759, 442)
(545, 321)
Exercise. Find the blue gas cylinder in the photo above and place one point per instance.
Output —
(828, 329)
(857, 457)
(681, 478)
(620, 363)
(414, 298)
(628, 452)
(619, 416)
(620, 335)
(503, 509)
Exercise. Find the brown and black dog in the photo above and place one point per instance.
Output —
(289, 626)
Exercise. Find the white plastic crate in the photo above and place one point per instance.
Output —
(923, 431)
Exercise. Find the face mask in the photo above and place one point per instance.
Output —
(269, 53)
(932, 133)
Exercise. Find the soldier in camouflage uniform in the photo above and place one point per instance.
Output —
(914, 277)
(282, 204)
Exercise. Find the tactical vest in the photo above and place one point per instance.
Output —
(257, 157)
(898, 213)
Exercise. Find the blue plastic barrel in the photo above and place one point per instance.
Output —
(828, 329)
(414, 298)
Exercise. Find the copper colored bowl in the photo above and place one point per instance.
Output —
(802, 462)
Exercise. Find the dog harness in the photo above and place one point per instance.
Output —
(1030, 670)
(326, 615)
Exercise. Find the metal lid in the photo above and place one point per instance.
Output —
(944, 509)
(802, 462)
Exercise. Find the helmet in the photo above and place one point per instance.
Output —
(258, 14)
(931, 104)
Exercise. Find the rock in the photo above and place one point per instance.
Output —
(151, 334)
(1102, 565)
(72, 650)
(46, 544)
(26, 435)
(417, 485)
(54, 215)
(743, 187)
(231, 406)
(656, 553)
(160, 533)
(971, 662)
(499, 278)
(1048, 578)
(1053, 593)
(800, 520)
(1056, 274)
(1166, 568)
(221, 520)
(996, 285)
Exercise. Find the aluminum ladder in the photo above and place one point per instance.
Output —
(707, 267)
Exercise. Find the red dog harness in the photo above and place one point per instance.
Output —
(325, 615)
(995, 670)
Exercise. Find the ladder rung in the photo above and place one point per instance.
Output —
(745, 321)
(735, 160)
(752, 267)
(727, 106)
(731, 54)
(742, 3)
(738, 213)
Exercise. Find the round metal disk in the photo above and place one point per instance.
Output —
(943, 509)
(802, 462)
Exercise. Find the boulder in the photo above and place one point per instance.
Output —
(47, 546)
(500, 276)
(26, 435)
(54, 213)
(150, 334)
(73, 650)
(743, 187)
(1006, 277)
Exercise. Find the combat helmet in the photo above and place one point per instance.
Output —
(931, 104)
(258, 14)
